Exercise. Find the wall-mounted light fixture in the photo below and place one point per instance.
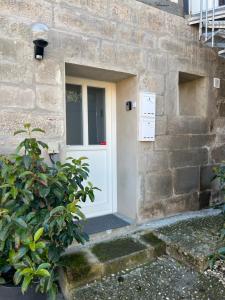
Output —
(40, 39)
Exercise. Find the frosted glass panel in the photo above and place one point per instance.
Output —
(96, 116)
(74, 120)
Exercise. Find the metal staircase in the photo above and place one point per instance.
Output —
(211, 24)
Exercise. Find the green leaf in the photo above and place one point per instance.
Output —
(43, 145)
(2, 280)
(38, 234)
(27, 125)
(24, 174)
(221, 250)
(71, 207)
(20, 222)
(80, 214)
(19, 131)
(27, 271)
(42, 273)
(44, 191)
(17, 277)
(44, 266)
(5, 197)
(37, 130)
(27, 161)
(32, 246)
(57, 210)
(26, 283)
(40, 245)
(21, 252)
(14, 192)
(52, 294)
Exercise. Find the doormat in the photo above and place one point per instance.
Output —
(103, 223)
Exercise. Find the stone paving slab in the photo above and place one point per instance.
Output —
(164, 279)
(193, 240)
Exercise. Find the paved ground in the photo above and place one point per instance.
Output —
(164, 279)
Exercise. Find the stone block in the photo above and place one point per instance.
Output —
(200, 140)
(154, 161)
(157, 62)
(123, 12)
(107, 251)
(167, 142)
(160, 105)
(204, 199)
(14, 28)
(218, 154)
(187, 125)
(161, 125)
(108, 53)
(150, 210)
(220, 139)
(131, 35)
(219, 126)
(186, 180)
(206, 177)
(183, 158)
(77, 21)
(173, 45)
(12, 96)
(129, 57)
(152, 82)
(175, 205)
(48, 72)
(158, 186)
(36, 11)
(152, 19)
(192, 202)
(10, 121)
(171, 93)
(16, 73)
(50, 98)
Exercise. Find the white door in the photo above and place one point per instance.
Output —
(91, 132)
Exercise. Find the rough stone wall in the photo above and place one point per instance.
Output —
(127, 36)
(172, 6)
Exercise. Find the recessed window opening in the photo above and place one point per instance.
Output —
(192, 95)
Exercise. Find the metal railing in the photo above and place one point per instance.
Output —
(204, 19)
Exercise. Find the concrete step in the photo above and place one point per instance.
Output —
(192, 241)
(108, 257)
(189, 238)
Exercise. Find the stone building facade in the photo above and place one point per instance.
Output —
(138, 48)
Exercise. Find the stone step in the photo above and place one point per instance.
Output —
(108, 257)
(192, 241)
(189, 238)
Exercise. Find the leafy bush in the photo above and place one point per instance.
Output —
(220, 253)
(38, 206)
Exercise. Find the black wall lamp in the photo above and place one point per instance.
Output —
(39, 46)
(40, 39)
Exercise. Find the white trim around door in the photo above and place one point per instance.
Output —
(102, 156)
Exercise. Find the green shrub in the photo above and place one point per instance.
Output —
(38, 206)
(220, 253)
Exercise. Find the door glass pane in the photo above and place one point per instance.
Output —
(74, 120)
(96, 116)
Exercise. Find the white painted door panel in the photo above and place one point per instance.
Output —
(102, 153)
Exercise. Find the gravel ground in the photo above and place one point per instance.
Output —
(164, 279)
(218, 271)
